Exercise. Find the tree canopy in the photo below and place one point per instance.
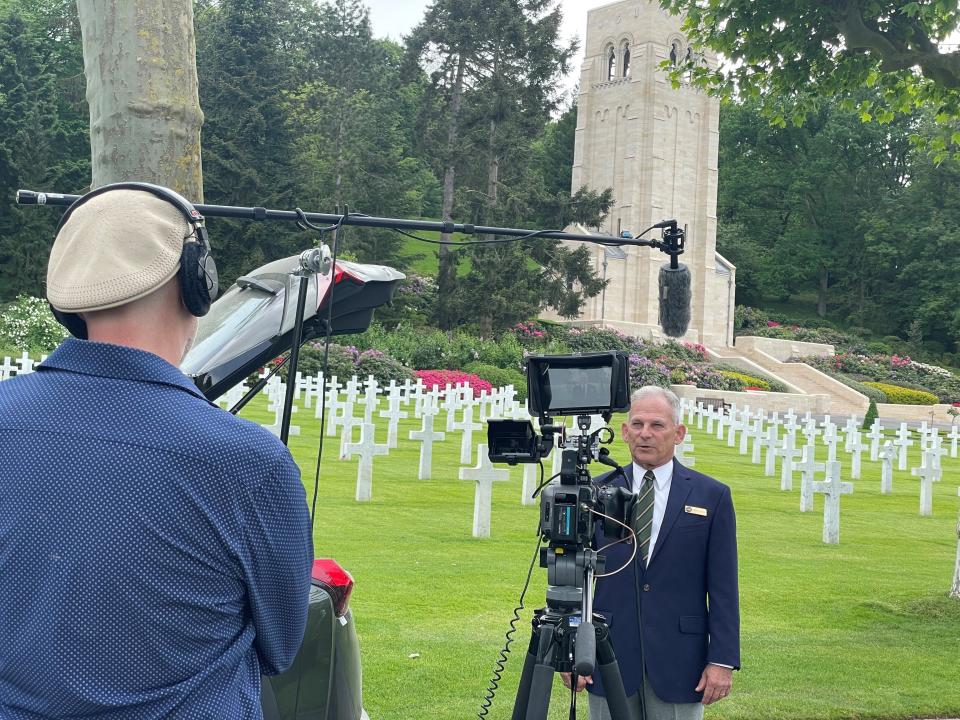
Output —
(792, 55)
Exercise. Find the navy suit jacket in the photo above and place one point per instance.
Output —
(659, 615)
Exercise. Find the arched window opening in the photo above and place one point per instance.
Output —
(626, 59)
(611, 64)
(674, 52)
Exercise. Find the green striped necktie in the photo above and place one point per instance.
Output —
(642, 519)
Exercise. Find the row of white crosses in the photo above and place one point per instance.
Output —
(768, 446)
(343, 404)
(22, 365)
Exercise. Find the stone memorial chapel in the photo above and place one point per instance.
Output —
(656, 146)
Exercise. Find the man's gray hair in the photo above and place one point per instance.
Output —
(660, 392)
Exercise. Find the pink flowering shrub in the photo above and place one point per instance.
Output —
(442, 378)
(697, 348)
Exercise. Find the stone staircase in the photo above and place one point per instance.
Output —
(755, 354)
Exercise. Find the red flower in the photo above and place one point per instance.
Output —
(771, 323)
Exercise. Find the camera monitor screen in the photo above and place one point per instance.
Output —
(578, 387)
(577, 384)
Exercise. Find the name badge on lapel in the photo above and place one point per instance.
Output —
(694, 510)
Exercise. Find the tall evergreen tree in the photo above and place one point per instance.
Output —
(44, 138)
(496, 89)
(249, 52)
(353, 132)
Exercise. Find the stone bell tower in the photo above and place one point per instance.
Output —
(656, 146)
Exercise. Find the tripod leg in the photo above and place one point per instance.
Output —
(610, 675)
(541, 684)
(523, 691)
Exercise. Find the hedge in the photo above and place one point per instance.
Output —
(747, 380)
(500, 377)
(869, 388)
(904, 396)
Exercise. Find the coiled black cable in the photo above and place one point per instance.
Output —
(501, 662)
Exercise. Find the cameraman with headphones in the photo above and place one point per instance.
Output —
(155, 550)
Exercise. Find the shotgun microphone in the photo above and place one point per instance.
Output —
(674, 299)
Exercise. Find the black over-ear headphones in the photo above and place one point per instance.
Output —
(198, 272)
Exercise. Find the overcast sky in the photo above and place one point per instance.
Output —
(395, 18)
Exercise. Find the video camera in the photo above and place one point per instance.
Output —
(567, 636)
(559, 385)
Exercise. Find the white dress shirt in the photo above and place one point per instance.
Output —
(661, 491)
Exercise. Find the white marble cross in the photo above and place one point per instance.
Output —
(371, 398)
(367, 449)
(530, 482)
(339, 411)
(852, 426)
(771, 443)
(810, 429)
(953, 437)
(755, 433)
(234, 395)
(723, 421)
(887, 454)
(352, 388)
(427, 436)
(876, 436)
(928, 436)
(331, 405)
(347, 423)
(309, 386)
(701, 416)
(789, 452)
(737, 422)
(790, 423)
(26, 364)
(832, 489)
(275, 405)
(903, 441)
(7, 370)
(683, 451)
(855, 447)
(431, 398)
(808, 469)
(451, 404)
(484, 474)
(936, 452)
(831, 439)
(393, 414)
(928, 475)
(467, 426)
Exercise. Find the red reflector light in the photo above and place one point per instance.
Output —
(335, 580)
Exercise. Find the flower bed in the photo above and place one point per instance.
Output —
(894, 370)
(442, 378)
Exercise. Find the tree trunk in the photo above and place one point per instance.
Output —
(822, 291)
(493, 177)
(447, 273)
(139, 58)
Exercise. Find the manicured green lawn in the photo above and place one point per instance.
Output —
(860, 630)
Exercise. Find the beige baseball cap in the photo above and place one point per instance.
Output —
(114, 248)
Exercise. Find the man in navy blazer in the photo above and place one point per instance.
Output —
(674, 618)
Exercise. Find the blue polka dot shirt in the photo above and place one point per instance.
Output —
(155, 550)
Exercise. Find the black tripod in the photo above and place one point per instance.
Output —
(566, 640)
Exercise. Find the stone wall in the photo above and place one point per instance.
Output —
(914, 413)
(782, 350)
(767, 401)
